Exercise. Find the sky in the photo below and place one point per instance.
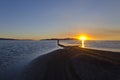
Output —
(40, 19)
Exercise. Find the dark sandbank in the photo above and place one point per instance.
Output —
(74, 63)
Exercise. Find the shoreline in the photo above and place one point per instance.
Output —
(74, 63)
(104, 49)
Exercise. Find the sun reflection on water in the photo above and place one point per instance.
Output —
(82, 38)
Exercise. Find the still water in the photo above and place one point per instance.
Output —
(15, 55)
(99, 44)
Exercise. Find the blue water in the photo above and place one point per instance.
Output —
(99, 44)
(15, 55)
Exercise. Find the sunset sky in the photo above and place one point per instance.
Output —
(39, 19)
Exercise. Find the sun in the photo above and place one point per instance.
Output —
(82, 37)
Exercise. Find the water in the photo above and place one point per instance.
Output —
(15, 55)
(98, 44)
(104, 45)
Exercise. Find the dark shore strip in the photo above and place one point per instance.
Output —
(74, 63)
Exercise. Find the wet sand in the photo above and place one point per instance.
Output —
(74, 63)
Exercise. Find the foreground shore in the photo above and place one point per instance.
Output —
(74, 63)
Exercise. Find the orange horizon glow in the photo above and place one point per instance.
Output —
(85, 36)
(75, 36)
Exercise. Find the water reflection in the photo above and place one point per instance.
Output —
(83, 43)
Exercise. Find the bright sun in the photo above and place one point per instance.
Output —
(82, 38)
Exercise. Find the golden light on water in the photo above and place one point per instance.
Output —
(83, 38)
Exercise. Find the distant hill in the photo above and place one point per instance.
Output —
(14, 39)
(60, 39)
(7, 39)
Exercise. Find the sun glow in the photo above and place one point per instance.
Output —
(82, 38)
